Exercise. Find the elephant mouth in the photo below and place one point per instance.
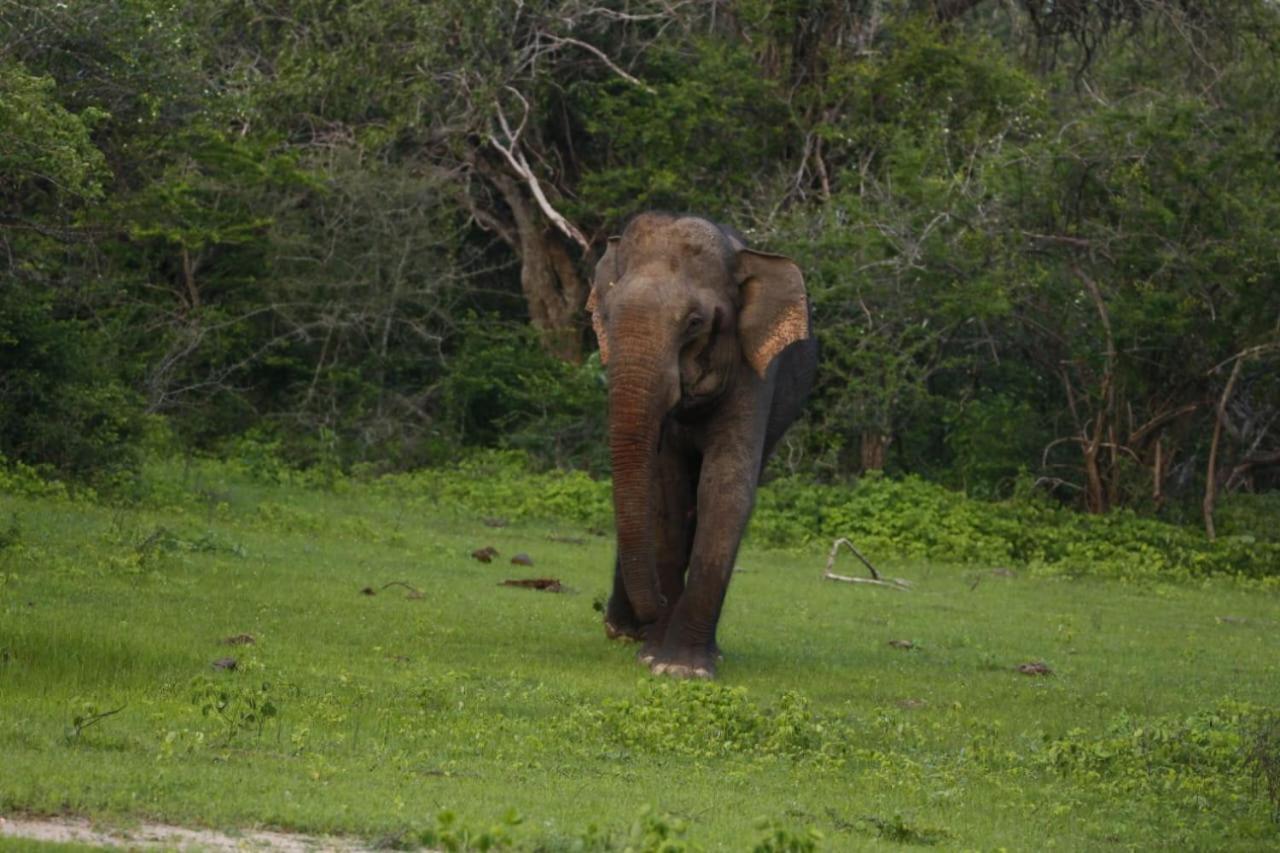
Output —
(700, 390)
(692, 404)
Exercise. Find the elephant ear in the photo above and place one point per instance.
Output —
(606, 276)
(775, 308)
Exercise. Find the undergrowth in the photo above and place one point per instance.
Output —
(894, 519)
(706, 720)
(907, 519)
(914, 519)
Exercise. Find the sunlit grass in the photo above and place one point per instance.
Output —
(372, 714)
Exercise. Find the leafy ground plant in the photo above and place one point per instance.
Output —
(479, 714)
(1264, 757)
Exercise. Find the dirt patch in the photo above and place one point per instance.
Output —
(155, 835)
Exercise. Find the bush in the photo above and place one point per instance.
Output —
(911, 518)
(906, 518)
(506, 484)
(1201, 757)
(707, 720)
(1249, 517)
(61, 408)
(504, 390)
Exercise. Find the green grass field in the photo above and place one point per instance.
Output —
(475, 708)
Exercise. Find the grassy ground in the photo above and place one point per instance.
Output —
(474, 706)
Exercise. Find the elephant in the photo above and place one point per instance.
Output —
(709, 358)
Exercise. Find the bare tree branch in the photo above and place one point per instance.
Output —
(559, 41)
(516, 159)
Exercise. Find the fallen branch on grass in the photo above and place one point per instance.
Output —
(414, 592)
(875, 579)
(83, 721)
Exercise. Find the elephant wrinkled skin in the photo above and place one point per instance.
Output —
(710, 357)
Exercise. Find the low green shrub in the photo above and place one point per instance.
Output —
(1249, 517)
(234, 708)
(652, 831)
(505, 484)
(896, 519)
(447, 832)
(914, 519)
(699, 719)
(63, 407)
(503, 390)
(18, 478)
(1212, 755)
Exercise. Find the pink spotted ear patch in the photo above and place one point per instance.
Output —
(791, 325)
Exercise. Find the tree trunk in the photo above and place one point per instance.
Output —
(1209, 504)
(1095, 494)
(189, 280)
(553, 288)
(1157, 474)
(874, 445)
(1147, 441)
(1100, 489)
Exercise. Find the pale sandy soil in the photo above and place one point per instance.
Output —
(153, 835)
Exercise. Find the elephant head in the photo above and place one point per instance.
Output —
(685, 315)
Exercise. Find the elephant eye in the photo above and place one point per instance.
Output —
(694, 322)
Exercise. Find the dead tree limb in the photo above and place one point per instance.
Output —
(1211, 473)
(875, 579)
(558, 41)
(520, 165)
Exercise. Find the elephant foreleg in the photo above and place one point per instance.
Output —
(676, 521)
(726, 493)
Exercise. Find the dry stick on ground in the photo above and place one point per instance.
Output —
(79, 724)
(876, 579)
(414, 592)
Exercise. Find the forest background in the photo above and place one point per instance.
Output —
(1039, 237)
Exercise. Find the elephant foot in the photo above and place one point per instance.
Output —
(683, 671)
(701, 664)
(620, 623)
(626, 632)
(654, 637)
(649, 652)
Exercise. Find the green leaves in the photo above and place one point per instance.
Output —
(913, 519)
(1185, 759)
(45, 148)
(706, 720)
(503, 390)
(236, 708)
(697, 139)
(281, 217)
(87, 715)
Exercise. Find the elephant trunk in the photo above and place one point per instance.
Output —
(639, 397)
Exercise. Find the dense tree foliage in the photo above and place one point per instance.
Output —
(1038, 236)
